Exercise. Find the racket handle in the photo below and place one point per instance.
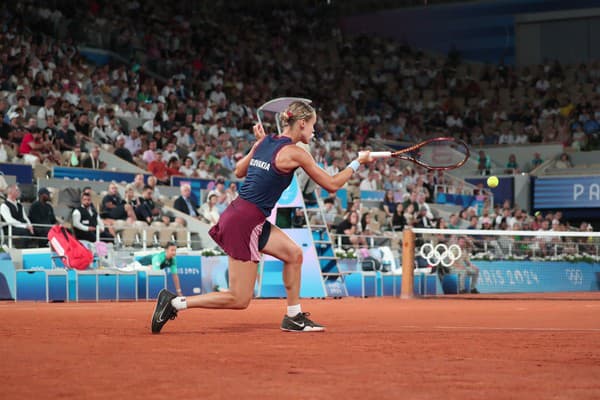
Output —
(381, 154)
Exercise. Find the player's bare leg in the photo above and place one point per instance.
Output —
(242, 278)
(281, 246)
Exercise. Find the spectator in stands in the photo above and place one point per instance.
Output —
(210, 158)
(75, 159)
(563, 162)
(484, 163)
(422, 205)
(93, 160)
(87, 222)
(100, 133)
(232, 192)
(411, 200)
(372, 182)
(187, 169)
(371, 227)
(219, 190)
(153, 125)
(202, 170)
(350, 231)
(512, 166)
(147, 210)
(389, 203)
(42, 213)
(465, 268)
(537, 160)
(173, 167)
(13, 213)
(158, 168)
(133, 143)
(31, 147)
(114, 207)
(398, 219)
(186, 203)
(47, 110)
(153, 183)
(209, 211)
(170, 152)
(228, 160)
(121, 151)
(20, 105)
(130, 197)
(150, 154)
(138, 183)
(82, 126)
(66, 138)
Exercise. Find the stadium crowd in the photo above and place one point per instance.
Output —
(59, 108)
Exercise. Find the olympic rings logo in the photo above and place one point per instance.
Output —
(440, 254)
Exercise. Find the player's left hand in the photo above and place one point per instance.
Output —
(259, 131)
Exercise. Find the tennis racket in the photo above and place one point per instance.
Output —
(440, 153)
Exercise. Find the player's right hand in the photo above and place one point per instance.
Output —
(364, 157)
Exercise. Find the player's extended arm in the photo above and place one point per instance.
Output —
(292, 157)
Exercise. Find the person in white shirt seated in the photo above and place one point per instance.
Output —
(209, 210)
(13, 213)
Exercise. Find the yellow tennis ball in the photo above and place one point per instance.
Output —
(492, 181)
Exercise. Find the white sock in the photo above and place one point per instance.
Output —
(180, 303)
(292, 311)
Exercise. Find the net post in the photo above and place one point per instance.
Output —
(408, 263)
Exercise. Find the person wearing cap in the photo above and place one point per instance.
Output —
(146, 111)
(41, 212)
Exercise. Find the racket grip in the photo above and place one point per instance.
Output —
(381, 154)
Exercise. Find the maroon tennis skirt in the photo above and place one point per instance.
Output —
(239, 230)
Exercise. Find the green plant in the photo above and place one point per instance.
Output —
(211, 252)
(341, 253)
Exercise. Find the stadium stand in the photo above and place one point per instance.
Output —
(185, 86)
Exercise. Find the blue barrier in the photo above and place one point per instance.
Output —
(536, 276)
(22, 172)
(8, 280)
(312, 282)
(94, 174)
(372, 195)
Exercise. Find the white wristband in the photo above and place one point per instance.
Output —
(354, 165)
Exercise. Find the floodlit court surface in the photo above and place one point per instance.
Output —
(484, 347)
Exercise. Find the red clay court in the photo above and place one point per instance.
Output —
(492, 347)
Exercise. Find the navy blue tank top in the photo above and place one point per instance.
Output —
(264, 182)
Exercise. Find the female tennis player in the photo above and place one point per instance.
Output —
(243, 231)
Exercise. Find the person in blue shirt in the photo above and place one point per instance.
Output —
(243, 231)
